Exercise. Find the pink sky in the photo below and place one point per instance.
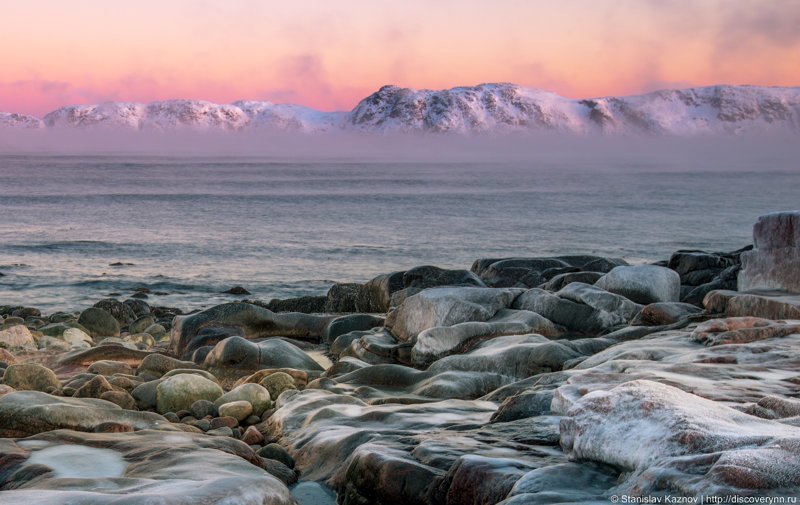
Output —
(330, 54)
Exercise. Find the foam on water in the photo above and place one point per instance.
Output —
(80, 461)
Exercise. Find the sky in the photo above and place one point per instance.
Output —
(330, 54)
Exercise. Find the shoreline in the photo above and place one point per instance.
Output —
(576, 377)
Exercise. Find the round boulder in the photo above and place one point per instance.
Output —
(258, 396)
(643, 284)
(31, 377)
(181, 391)
(277, 383)
(99, 323)
(239, 410)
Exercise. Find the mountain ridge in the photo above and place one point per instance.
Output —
(484, 108)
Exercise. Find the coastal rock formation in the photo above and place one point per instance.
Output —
(643, 283)
(772, 265)
(142, 467)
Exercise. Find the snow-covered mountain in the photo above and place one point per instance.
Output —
(487, 108)
(21, 121)
(507, 107)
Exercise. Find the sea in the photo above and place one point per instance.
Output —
(76, 228)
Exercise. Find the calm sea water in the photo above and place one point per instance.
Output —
(194, 227)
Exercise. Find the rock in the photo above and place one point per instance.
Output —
(427, 276)
(121, 398)
(252, 436)
(301, 304)
(661, 437)
(619, 307)
(7, 357)
(123, 313)
(156, 330)
(254, 394)
(109, 367)
(375, 295)
(248, 320)
(16, 336)
(767, 305)
(139, 307)
(77, 339)
(141, 324)
(561, 280)
(278, 453)
(156, 365)
(181, 391)
(239, 410)
(235, 357)
(437, 342)
(346, 324)
(445, 307)
(138, 468)
(580, 308)
(237, 290)
(342, 297)
(277, 383)
(226, 421)
(26, 413)
(774, 263)
(203, 408)
(222, 431)
(657, 314)
(53, 344)
(643, 284)
(26, 312)
(99, 323)
(741, 330)
(94, 388)
(31, 377)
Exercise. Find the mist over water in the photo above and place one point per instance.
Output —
(290, 215)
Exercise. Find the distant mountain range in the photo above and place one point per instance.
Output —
(487, 108)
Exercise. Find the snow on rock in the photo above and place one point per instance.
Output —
(502, 107)
(486, 108)
(22, 121)
(670, 440)
(289, 117)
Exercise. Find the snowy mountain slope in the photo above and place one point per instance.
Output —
(504, 107)
(289, 117)
(21, 121)
(486, 108)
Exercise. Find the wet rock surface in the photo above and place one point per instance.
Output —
(564, 379)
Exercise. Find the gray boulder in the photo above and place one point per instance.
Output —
(774, 263)
(446, 306)
(643, 283)
(99, 323)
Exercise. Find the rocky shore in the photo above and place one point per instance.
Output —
(569, 379)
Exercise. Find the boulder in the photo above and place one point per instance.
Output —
(427, 276)
(31, 377)
(375, 295)
(767, 305)
(99, 323)
(239, 410)
(181, 391)
(346, 324)
(249, 321)
(16, 336)
(561, 280)
(141, 323)
(235, 357)
(254, 394)
(662, 313)
(661, 437)
(342, 298)
(156, 365)
(140, 467)
(94, 388)
(440, 341)
(643, 284)
(76, 338)
(741, 330)
(774, 263)
(26, 413)
(277, 383)
(445, 307)
(120, 311)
